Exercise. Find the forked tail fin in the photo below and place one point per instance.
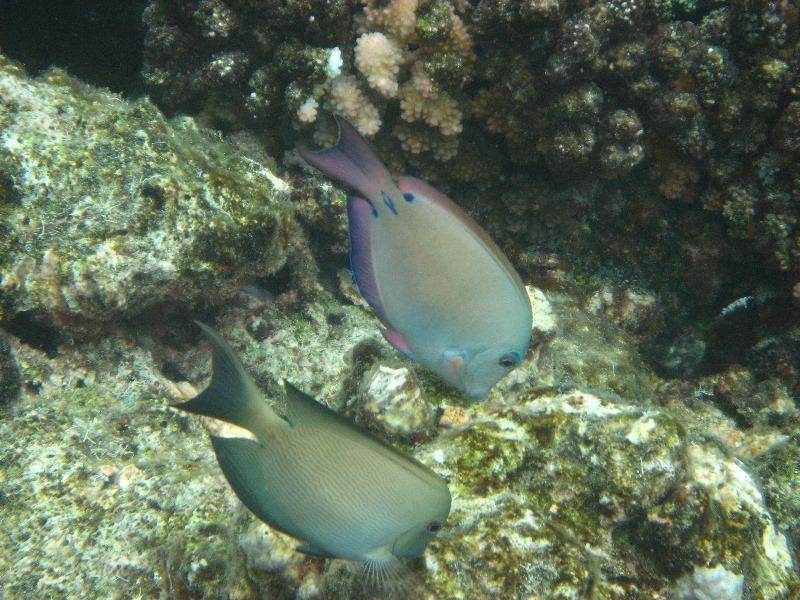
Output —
(353, 162)
(231, 396)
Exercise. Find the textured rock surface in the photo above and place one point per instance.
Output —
(392, 401)
(108, 209)
(557, 490)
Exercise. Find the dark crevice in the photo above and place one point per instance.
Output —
(34, 333)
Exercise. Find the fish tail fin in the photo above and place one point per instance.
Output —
(231, 396)
(352, 161)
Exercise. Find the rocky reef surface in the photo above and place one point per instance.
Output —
(108, 208)
(583, 475)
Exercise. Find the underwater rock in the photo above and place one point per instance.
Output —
(778, 471)
(710, 584)
(10, 382)
(115, 210)
(591, 352)
(392, 401)
(556, 489)
(544, 325)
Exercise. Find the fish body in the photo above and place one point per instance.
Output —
(317, 476)
(446, 294)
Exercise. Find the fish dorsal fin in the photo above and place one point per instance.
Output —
(303, 409)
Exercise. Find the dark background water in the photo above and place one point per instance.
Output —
(99, 41)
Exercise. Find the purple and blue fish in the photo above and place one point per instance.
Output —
(446, 295)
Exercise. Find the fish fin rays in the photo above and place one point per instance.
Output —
(360, 216)
(231, 396)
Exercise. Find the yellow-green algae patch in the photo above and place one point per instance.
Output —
(107, 208)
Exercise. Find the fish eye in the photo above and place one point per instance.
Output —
(434, 527)
(408, 197)
(509, 360)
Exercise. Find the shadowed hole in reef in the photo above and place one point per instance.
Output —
(173, 372)
(722, 337)
(34, 333)
(273, 285)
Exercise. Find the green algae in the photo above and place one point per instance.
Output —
(117, 209)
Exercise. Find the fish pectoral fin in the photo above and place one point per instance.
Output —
(313, 551)
(241, 461)
(454, 358)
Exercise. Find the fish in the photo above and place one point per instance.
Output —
(445, 294)
(317, 476)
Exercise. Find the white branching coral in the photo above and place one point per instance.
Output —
(307, 113)
(437, 109)
(397, 18)
(347, 99)
(378, 58)
(409, 56)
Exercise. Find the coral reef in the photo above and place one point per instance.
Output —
(109, 210)
(556, 489)
(637, 159)
(645, 141)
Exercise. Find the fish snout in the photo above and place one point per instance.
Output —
(483, 370)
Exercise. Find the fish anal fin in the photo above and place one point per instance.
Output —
(360, 217)
(313, 551)
(397, 340)
(241, 461)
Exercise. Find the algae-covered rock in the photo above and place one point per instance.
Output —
(9, 374)
(779, 474)
(108, 209)
(558, 491)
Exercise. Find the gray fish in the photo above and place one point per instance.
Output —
(316, 475)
